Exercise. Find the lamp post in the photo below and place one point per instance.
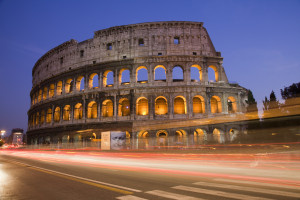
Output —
(2, 133)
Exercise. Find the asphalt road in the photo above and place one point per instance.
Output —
(71, 175)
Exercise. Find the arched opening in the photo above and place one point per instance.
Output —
(59, 88)
(124, 107)
(80, 83)
(57, 114)
(78, 111)
(213, 74)
(198, 104)
(93, 80)
(124, 76)
(107, 108)
(40, 95)
(37, 119)
(108, 78)
(200, 136)
(161, 106)
(162, 137)
(141, 74)
(92, 110)
(142, 106)
(160, 73)
(215, 104)
(218, 136)
(49, 115)
(69, 86)
(177, 74)
(233, 134)
(162, 133)
(43, 117)
(143, 134)
(45, 91)
(179, 136)
(231, 103)
(179, 105)
(51, 90)
(196, 73)
(66, 113)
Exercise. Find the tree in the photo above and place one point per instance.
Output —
(252, 104)
(271, 103)
(291, 92)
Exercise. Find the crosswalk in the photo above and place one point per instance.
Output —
(221, 189)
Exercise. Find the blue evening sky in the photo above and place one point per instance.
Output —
(259, 39)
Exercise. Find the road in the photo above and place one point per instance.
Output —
(134, 175)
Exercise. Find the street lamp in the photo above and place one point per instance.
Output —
(2, 133)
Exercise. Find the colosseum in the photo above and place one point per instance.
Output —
(150, 80)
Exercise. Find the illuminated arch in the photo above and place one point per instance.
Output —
(143, 134)
(80, 83)
(162, 133)
(216, 73)
(93, 80)
(161, 106)
(198, 104)
(177, 73)
(140, 71)
(159, 73)
(123, 76)
(107, 80)
(69, 85)
(107, 108)
(142, 106)
(127, 135)
(45, 91)
(43, 117)
(51, 90)
(233, 134)
(180, 133)
(200, 136)
(67, 113)
(231, 103)
(49, 115)
(37, 118)
(92, 110)
(57, 114)
(59, 88)
(215, 104)
(78, 111)
(196, 72)
(179, 105)
(218, 136)
(124, 107)
(40, 95)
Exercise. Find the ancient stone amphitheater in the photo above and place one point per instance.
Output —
(149, 80)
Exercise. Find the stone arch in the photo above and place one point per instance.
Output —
(67, 113)
(51, 90)
(162, 133)
(177, 73)
(78, 111)
(233, 134)
(161, 105)
(108, 78)
(42, 116)
(80, 83)
(231, 104)
(45, 91)
(179, 105)
(142, 106)
(215, 72)
(196, 73)
(180, 133)
(160, 73)
(40, 95)
(216, 104)
(93, 80)
(69, 86)
(124, 107)
(59, 88)
(218, 135)
(124, 76)
(49, 115)
(37, 118)
(198, 104)
(57, 114)
(143, 134)
(141, 74)
(107, 108)
(92, 111)
(200, 136)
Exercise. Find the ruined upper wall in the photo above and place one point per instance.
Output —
(123, 42)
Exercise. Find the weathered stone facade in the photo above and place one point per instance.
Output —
(79, 89)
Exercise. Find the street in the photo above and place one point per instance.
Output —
(136, 175)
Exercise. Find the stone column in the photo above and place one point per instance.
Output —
(100, 80)
(115, 107)
(224, 103)
(151, 106)
(116, 79)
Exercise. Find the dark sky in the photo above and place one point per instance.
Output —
(259, 40)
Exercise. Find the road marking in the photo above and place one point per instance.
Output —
(259, 190)
(218, 193)
(172, 195)
(130, 197)
(257, 183)
(95, 183)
